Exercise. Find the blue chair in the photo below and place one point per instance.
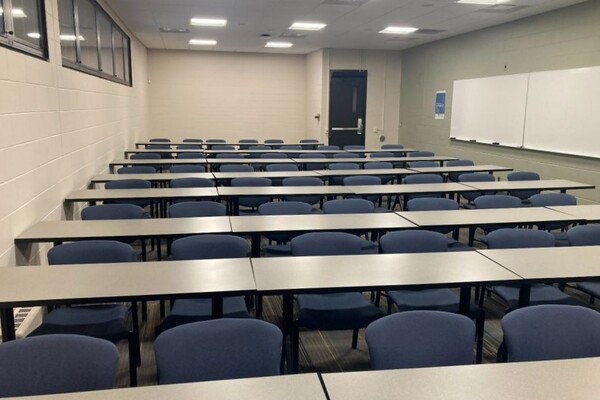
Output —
(246, 143)
(315, 166)
(187, 156)
(392, 147)
(160, 140)
(165, 155)
(191, 209)
(308, 144)
(523, 176)
(193, 141)
(56, 364)
(274, 143)
(212, 141)
(337, 311)
(341, 166)
(421, 154)
(106, 321)
(381, 154)
(303, 181)
(423, 164)
(346, 155)
(551, 332)
(205, 247)
(189, 147)
(282, 239)
(180, 169)
(145, 156)
(279, 168)
(385, 179)
(218, 349)
(474, 177)
(137, 170)
(130, 184)
(366, 180)
(291, 147)
(252, 202)
(235, 168)
(438, 203)
(540, 293)
(260, 147)
(327, 147)
(229, 155)
(416, 339)
(453, 176)
(554, 199)
(493, 201)
(353, 206)
(190, 183)
(418, 179)
(586, 235)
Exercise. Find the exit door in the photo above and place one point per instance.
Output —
(347, 107)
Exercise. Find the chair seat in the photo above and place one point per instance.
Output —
(278, 250)
(185, 311)
(591, 288)
(103, 321)
(426, 299)
(337, 311)
(369, 247)
(382, 210)
(540, 294)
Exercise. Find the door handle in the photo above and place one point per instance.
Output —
(345, 129)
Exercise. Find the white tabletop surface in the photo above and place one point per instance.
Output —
(150, 193)
(468, 168)
(589, 212)
(549, 184)
(151, 177)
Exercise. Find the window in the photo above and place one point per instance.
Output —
(22, 25)
(92, 42)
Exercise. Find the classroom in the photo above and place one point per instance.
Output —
(510, 85)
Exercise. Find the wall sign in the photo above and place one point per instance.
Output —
(440, 104)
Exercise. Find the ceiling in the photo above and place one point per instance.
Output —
(350, 24)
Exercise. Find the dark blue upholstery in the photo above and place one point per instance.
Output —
(259, 147)
(421, 154)
(193, 140)
(215, 141)
(346, 155)
(474, 177)
(252, 201)
(218, 349)
(273, 141)
(327, 147)
(381, 154)
(421, 179)
(235, 168)
(160, 140)
(113, 211)
(434, 203)
(56, 364)
(190, 209)
(551, 332)
(348, 206)
(354, 147)
(160, 147)
(312, 166)
(303, 181)
(219, 147)
(246, 143)
(189, 147)
(281, 167)
(281, 238)
(554, 199)
(339, 180)
(274, 155)
(423, 164)
(453, 176)
(129, 184)
(492, 201)
(381, 165)
(190, 155)
(229, 155)
(523, 176)
(178, 169)
(141, 169)
(413, 241)
(325, 244)
(291, 147)
(586, 235)
(191, 182)
(415, 339)
(392, 147)
(91, 252)
(359, 180)
(145, 156)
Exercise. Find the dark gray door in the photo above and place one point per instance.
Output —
(347, 107)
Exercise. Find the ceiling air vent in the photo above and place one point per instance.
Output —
(291, 35)
(502, 9)
(174, 30)
(354, 3)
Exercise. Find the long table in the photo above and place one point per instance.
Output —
(227, 143)
(589, 212)
(160, 163)
(547, 184)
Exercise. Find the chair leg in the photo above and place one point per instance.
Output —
(259, 307)
(144, 310)
(134, 356)
(136, 328)
(295, 356)
(479, 322)
(355, 338)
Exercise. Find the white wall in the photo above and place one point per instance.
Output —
(58, 128)
(561, 39)
(227, 95)
(314, 94)
(383, 90)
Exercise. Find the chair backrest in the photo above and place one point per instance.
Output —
(145, 156)
(184, 156)
(423, 164)
(415, 339)
(523, 176)
(343, 165)
(413, 241)
(50, 364)
(251, 182)
(302, 181)
(476, 177)
(193, 140)
(362, 180)
(204, 247)
(91, 252)
(431, 203)
(215, 141)
(309, 141)
(489, 201)
(423, 178)
(348, 206)
(112, 211)
(512, 238)
(178, 169)
(346, 155)
(381, 154)
(158, 147)
(281, 167)
(421, 154)
(259, 147)
(312, 155)
(191, 182)
(291, 147)
(229, 155)
(378, 165)
(218, 147)
(246, 141)
(551, 332)
(325, 244)
(218, 349)
(327, 147)
(284, 208)
(584, 235)
(128, 184)
(459, 163)
(273, 141)
(274, 155)
(189, 147)
(236, 168)
(159, 140)
(392, 147)
(190, 209)
(354, 147)
(552, 199)
(137, 170)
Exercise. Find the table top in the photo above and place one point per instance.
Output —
(250, 161)
(589, 212)
(234, 191)
(170, 151)
(162, 161)
(467, 168)
(375, 172)
(291, 387)
(62, 231)
(128, 194)
(372, 271)
(574, 379)
(419, 188)
(122, 281)
(552, 263)
(317, 222)
(156, 177)
(549, 184)
(281, 151)
(486, 216)
(375, 150)
(264, 174)
(370, 159)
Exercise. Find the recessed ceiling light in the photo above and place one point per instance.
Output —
(279, 45)
(70, 38)
(482, 2)
(18, 13)
(203, 42)
(34, 35)
(208, 22)
(307, 26)
(399, 30)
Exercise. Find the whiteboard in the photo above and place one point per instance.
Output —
(563, 112)
(490, 110)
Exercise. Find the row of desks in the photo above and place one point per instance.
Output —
(227, 143)
(542, 380)
(266, 151)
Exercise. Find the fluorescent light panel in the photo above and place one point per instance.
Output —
(279, 45)
(203, 42)
(399, 30)
(215, 22)
(307, 26)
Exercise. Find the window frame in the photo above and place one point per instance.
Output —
(79, 66)
(9, 40)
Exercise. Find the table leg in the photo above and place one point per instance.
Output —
(7, 321)
(288, 326)
(255, 244)
(217, 307)
(524, 294)
(465, 300)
